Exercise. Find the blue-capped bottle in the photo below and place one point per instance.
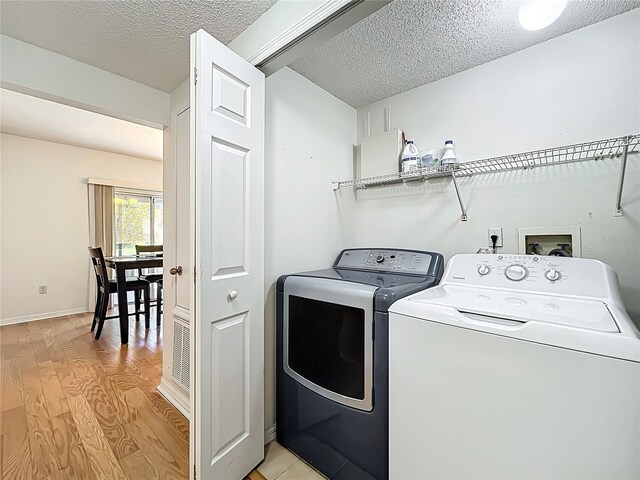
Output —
(449, 159)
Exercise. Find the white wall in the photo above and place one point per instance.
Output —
(582, 86)
(309, 142)
(45, 222)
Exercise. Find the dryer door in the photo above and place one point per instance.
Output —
(328, 338)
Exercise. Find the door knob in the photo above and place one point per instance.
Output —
(233, 294)
(176, 270)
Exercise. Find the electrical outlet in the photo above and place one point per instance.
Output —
(42, 289)
(495, 231)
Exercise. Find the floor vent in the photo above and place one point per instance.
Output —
(181, 354)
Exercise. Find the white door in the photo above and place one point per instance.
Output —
(227, 151)
(175, 382)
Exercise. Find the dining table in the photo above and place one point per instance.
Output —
(121, 264)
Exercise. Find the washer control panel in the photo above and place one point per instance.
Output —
(579, 276)
(516, 272)
(388, 260)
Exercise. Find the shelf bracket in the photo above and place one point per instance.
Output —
(463, 217)
(623, 167)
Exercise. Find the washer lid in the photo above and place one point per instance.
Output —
(584, 325)
(522, 307)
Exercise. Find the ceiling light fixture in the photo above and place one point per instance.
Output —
(537, 14)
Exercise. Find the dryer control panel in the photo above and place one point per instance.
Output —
(386, 260)
(543, 274)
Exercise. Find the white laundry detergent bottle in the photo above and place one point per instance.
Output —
(449, 159)
(411, 160)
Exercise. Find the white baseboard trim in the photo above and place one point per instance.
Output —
(175, 396)
(41, 316)
(269, 434)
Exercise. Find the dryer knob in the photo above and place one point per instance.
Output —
(380, 259)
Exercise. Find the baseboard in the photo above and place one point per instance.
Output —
(174, 396)
(41, 316)
(269, 434)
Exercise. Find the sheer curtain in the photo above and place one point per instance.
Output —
(101, 231)
(103, 218)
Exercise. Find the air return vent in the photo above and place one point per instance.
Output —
(181, 354)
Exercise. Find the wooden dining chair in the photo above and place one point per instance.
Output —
(107, 286)
(151, 278)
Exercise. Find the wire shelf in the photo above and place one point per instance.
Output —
(596, 150)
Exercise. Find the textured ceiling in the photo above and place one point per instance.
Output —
(409, 43)
(37, 118)
(146, 41)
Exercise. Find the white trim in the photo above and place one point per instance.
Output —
(289, 30)
(299, 28)
(139, 192)
(91, 201)
(269, 434)
(124, 184)
(175, 396)
(42, 316)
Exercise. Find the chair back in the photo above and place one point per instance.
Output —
(147, 249)
(99, 266)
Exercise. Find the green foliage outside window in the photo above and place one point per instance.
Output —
(132, 222)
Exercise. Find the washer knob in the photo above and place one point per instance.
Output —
(380, 258)
(553, 275)
(483, 269)
(516, 272)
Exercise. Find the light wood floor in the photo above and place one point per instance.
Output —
(73, 407)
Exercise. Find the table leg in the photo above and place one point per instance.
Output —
(123, 305)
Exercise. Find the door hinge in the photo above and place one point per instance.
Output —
(195, 75)
(194, 472)
(194, 274)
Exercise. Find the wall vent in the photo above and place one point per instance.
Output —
(180, 369)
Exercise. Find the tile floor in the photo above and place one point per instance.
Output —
(281, 464)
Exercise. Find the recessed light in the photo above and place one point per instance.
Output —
(537, 14)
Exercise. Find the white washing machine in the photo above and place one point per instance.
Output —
(515, 367)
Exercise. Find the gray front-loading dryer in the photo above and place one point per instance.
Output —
(332, 357)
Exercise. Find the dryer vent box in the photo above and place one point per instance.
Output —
(380, 153)
(547, 239)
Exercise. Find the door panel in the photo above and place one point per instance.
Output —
(227, 107)
(229, 96)
(229, 216)
(229, 341)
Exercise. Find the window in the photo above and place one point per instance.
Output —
(138, 221)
